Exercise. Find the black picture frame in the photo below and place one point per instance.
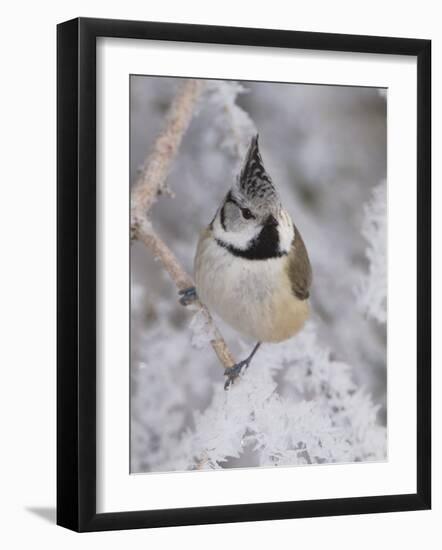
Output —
(77, 287)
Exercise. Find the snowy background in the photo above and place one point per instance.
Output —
(321, 396)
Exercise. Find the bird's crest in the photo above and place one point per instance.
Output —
(254, 182)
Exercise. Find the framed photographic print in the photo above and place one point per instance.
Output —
(243, 274)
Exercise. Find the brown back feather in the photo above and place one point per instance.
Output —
(299, 268)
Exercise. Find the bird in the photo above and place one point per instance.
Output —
(251, 265)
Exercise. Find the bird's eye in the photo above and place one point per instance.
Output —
(246, 213)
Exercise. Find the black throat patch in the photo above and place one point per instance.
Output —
(264, 247)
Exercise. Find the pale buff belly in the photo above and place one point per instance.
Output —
(254, 297)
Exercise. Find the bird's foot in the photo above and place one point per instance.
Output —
(188, 296)
(233, 372)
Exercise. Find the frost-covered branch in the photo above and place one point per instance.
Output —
(151, 182)
(320, 414)
(372, 290)
(152, 179)
(235, 125)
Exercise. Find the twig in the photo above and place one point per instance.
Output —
(152, 181)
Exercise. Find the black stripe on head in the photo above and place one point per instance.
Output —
(231, 199)
(222, 217)
(264, 247)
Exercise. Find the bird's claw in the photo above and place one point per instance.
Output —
(233, 373)
(188, 296)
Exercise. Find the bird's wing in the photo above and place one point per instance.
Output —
(299, 268)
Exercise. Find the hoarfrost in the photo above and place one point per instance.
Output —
(372, 290)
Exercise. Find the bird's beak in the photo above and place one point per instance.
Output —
(272, 221)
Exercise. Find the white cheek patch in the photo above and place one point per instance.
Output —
(286, 232)
(238, 239)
